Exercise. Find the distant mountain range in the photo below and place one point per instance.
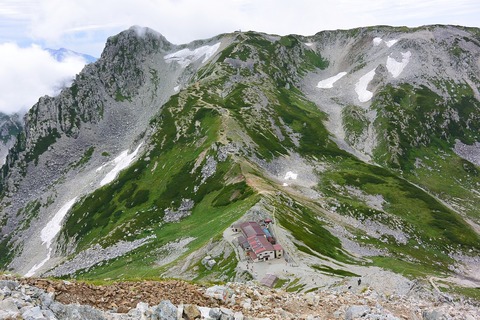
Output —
(62, 53)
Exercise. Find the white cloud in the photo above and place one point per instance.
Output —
(83, 26)
(29, 73)
(182, 21)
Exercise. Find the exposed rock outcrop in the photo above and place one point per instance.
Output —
(47, 299)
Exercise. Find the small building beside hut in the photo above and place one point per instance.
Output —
(278, 250)
(235, 227)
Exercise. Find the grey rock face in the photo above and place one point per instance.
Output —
(209, 168)
(128, 73)
(167, 310)
(9, 307)
(434, 315)
(46, 299)
(95, 255)
(354, 312)
(10, 126)
(11, 285)
(215, 313)
(76, 312)
(184, 210)
(33, 314)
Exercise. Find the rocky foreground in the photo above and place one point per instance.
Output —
(37, 299)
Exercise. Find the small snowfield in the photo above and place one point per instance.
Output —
(361, 87)
(186, 56)
(328, 83)
(395, 67)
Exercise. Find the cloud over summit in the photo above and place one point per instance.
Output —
(28, 73)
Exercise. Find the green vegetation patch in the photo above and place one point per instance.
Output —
(409, 118)
(408, 269)
(42, 144)
(139, 196)
(417, 130)
(472, 293)
(135, 204)
(224, 270)
(305, 118)
(294, 286)
(205, 223)
(304, 226)
(335, 272)
(314, 59)
(449, 177)
(6, 252)
(355, 122)
(432, 228)
(232, 193)
(87, 155)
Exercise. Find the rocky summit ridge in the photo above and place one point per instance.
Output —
(360, 146)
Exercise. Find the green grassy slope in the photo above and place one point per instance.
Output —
(417, 130)
(257, 108)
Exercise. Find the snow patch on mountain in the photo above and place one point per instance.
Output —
(37, 266)
(361, 87)
(378, 41)
(121, 162)
(186, 56)
(289, 176)
(395, 67)
(53, 227)
(49, 232)
(328, 83)
(391, 42)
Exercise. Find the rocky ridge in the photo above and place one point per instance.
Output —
(31, 298)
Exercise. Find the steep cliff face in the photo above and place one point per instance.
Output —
(10, 127)
(357, 143)
(121, 67)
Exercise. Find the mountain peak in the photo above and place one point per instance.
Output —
(137, 39)
(145, 32)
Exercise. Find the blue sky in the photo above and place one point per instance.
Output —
(84, 25)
